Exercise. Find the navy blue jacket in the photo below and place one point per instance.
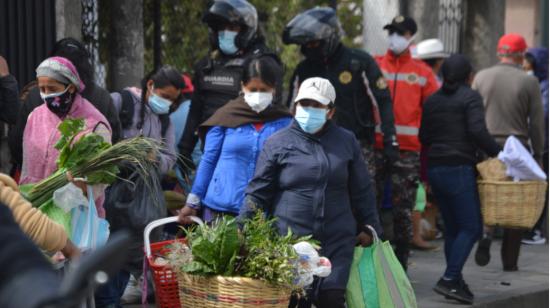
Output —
(314, 184)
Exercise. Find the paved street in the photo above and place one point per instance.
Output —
(489, 284)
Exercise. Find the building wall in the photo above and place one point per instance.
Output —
(523, 17)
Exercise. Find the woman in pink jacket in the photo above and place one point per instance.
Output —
(60, 87)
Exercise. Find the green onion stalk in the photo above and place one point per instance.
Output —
(139, 153)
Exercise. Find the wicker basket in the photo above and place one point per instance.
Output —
(492, 170)
(230, 292)
(512, 204)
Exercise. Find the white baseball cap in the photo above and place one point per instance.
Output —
(430, 49)
(317, 89)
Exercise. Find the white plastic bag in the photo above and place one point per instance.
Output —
(520, 165)
(310, 264)
(69, 197)
(89, 231)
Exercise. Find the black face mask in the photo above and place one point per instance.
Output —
(315, 54)
(59, 103)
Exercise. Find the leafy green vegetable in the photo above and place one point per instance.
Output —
(69, 128)
(214, 248)
(270, 257)
(73, 154)
(258, 252)
(92, 157)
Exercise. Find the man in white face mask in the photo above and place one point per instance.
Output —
(410, 83)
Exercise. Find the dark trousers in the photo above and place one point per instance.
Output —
(455, 190)
(109, 294)
(325, 299)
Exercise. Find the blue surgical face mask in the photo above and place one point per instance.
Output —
(226, 41)
(310, 119)
(158, 104)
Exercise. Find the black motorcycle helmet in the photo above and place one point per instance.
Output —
(317, 24)
(234, 12)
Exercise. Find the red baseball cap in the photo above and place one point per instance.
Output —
(510, 44)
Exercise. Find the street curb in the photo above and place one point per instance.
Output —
(527, 297)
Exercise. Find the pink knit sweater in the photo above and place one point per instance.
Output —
(41, 135)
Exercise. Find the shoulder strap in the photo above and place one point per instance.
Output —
(97, 125)
(126, 113)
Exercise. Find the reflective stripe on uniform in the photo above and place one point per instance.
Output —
(411, 78)
(402, 130)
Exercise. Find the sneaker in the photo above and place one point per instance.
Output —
(455, 290)
(132, 293)
(534, 238)
(466, 288)
(483, 252)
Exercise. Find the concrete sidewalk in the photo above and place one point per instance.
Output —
(492, 287)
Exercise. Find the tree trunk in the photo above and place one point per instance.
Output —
(484, 26)
(126, 44)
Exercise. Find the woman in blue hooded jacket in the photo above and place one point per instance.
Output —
(235, 135)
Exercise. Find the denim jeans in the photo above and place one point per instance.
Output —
(455, 190)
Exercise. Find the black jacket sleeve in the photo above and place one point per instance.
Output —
(476, 127)
(32, 101)
(377, 86)
(9, 99)
(190, 138)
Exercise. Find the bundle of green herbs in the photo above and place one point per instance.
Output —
(92, 158)
(257, 251)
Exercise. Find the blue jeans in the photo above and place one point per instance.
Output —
(455, 190)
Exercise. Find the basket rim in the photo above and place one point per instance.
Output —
(235, 280)
(512, 182)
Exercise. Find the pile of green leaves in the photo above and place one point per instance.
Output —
(73, 154)
(269, 256)
(257, 252)
(214, 248)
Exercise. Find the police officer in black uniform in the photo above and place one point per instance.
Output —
(362, 98)
(234, 38)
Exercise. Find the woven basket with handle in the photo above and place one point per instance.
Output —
(230, 292)
(512, 204)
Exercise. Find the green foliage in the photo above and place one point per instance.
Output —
(269, 257)
(214, 248)
(75, 154)
(259, 252)
(69, 129)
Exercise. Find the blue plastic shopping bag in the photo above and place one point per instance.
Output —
(89, 231)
